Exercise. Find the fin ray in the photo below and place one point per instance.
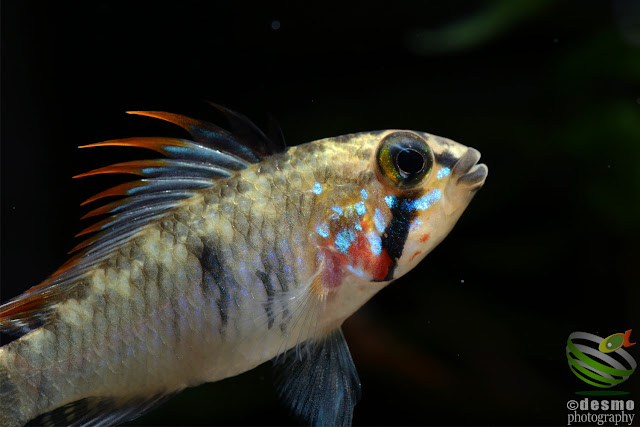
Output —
(205, 132)
(150, 186)
(137, 213)
(132, 204)
(162, 168)
(180, 149)
(321, 387)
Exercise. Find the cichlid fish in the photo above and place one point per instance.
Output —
(230, 251)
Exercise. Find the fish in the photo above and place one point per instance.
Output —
(229, 250)
(616, 341)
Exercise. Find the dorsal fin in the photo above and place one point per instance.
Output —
(189, 167)
(247, 141)
(246, 130)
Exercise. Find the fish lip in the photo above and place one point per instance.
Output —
(470, 174)
(474, 179)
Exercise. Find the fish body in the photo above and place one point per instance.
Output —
(233, 252)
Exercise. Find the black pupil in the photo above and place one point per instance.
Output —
(410, 162)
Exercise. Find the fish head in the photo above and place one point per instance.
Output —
(435, 198)
(396, 202)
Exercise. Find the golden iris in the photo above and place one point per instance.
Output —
(404, 159)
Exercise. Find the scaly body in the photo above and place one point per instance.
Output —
(276, 255)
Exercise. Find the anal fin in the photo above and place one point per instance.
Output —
(100, 411)
(321, 385)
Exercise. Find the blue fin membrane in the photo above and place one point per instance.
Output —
(246, 130)
(320, 383)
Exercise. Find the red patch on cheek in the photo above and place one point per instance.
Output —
(360, 248)
(376, 265)
(415, 255)
(424, 238)
(359, 255)
(381, 266)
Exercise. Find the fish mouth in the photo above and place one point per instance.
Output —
(470, 174)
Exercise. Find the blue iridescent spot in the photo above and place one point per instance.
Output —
(425, 202)
(355, 270)
(317, 188)
(358, 226)
(364, 194)
(391, 201)
(337, 209)
(344, 238)
(415, 225)
(360, 208)
(375, 242)
(150, 171)
(179, 150)
(443, 172)
(323, 230)
(378, 219)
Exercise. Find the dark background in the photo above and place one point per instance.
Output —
(548, 91)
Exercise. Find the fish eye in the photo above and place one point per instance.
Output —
(404, 159)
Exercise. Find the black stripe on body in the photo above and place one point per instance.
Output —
(277, 278)
(396, 233)
(268, 288)
(282, 269)
(214, 277)
(285, 275)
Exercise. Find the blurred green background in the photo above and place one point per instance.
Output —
(548, 91)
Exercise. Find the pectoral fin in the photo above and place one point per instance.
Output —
(320, 383)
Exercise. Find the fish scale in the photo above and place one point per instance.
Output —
(200, 284)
